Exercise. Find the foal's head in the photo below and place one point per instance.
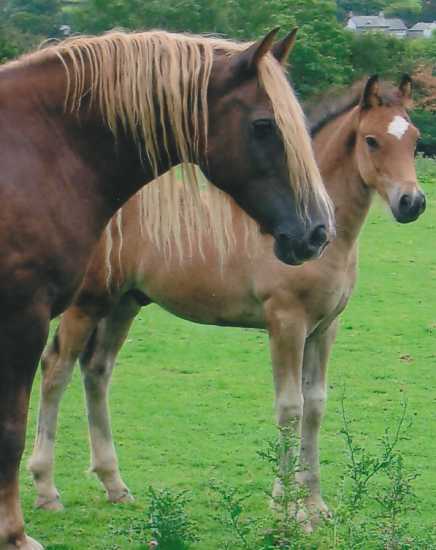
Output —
(385, 147)
(259, 150)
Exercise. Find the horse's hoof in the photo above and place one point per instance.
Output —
(52, 505)
(318, 512)
(125, 497)
(26, 543)
(31, 544)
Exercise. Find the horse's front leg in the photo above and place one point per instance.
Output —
(22, 338)
(59, 358)
(315, 362)
(287, 338)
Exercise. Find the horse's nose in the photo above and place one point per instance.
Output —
(410, 206)
(295, 250)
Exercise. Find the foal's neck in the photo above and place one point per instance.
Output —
(334, 149)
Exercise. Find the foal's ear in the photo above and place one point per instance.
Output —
(406, 88)
(370, 97)
(245, 63)
(284, 47)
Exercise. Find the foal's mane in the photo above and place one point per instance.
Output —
(326, 108)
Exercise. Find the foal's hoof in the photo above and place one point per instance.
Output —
(304, 520)
(318, 511)
(125, 497)
(52, 505)
(26, 543)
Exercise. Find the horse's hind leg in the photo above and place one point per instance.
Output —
(57, 363)
(97, 363)
(315, 361)
(22, 337)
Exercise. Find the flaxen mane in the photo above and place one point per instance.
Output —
(123, 74)
(214, 222)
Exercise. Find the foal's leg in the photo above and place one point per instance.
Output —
(97, 363)
(287, 339)
(22, 338)
(57, 364)
(316, 357)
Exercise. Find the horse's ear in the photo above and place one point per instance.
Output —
(284, 47)
(406, 88)
(246, 62)
(370, 97)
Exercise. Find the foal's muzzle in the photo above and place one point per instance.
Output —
(409, 207)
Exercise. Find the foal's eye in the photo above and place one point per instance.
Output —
(372, 143)
(263, 127)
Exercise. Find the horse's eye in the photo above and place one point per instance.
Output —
(263, 127)
(372, 142)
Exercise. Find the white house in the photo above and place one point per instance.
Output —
(422, 30)
(377, 23)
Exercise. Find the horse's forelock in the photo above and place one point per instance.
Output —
(305, 177)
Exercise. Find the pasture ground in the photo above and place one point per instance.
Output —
(190, 403)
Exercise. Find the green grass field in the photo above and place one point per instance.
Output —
(190, 403)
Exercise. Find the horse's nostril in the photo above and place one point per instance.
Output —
(318, 237)
(405, 202)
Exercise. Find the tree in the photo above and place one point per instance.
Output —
(380, 53)
(359, 7)
(34, 17)
(408, 10)
(9, 46)
(26, 23)
(322, 53)
(428, 10)
(97, 16)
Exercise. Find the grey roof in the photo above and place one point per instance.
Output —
(369, 21)
(378, 22)
(396, 24)
(423, 26)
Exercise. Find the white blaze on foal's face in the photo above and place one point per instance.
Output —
(398, 127)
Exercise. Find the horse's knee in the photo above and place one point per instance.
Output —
(314, 404)
(289, 411)
(96, 375)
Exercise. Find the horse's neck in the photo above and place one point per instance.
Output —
(110, 166)
(352, 199)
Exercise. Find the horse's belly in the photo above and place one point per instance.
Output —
(206, 302)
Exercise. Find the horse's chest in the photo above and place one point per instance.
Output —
(333, 302)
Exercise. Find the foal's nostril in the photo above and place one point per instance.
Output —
(318, 237)
(405, 202)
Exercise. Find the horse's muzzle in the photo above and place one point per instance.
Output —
(294, 251)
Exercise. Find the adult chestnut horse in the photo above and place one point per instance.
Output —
(364, 142)
(83, 125)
